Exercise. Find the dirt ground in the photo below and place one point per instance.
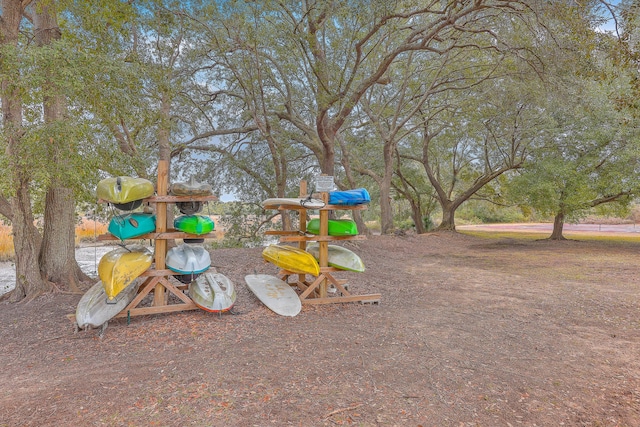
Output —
(469, 332)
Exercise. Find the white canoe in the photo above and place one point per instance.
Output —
(339, 257)
(275, 294)
(293, 201)
(94, 309)
(213, 292)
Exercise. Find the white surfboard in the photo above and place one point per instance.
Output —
(274, 293)
(294, 201)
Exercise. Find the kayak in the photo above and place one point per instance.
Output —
(193, 224)
(337, 227)
(354, 197)
(189, 208)
(188, 259)
(307, 203)
(132, 225)
(291, 259)
(94, 309)
(213, 292)
(124, 192)
(339, 257)
(121, 266)
(191, 188)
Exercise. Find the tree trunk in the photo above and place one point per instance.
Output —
(558, 224)
(448, 216)
(57, 259)
(57, 255)
(416, 215)
(26, 239)
(26, 242)
(386, 213)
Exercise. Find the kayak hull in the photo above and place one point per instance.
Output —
(194, 224)
(191, 188)
(291, 259)
(213, 292)
(188, 259)
(132, 225)
(338, 257)
(124, 192)
(337, 227)
(120, 267)
(94, 309)
(353, 197)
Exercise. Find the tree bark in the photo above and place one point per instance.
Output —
(448, 216)
(57, 253)
(26, 239)
(558, 224)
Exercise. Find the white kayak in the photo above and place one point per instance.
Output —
(95, 310)
(338, 257)
(275, 294)
(213, 292)
(307, 203)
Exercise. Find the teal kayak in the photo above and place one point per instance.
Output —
(194, 224)
(132, 225)
(337, 227)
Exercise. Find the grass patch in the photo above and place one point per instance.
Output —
(529, 235)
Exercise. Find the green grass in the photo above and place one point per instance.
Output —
(528, 235)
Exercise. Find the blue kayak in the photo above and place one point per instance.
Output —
(354, 197)
(132, 225)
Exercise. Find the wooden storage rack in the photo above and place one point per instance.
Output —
(157, 276)
(315, 291)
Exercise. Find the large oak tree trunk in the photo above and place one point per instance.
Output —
(26, 239)
(57, 254)
(558, 225)
(448, 217)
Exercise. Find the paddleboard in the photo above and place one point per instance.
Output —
(293, 201)
(275, 294)
(93, 309)
(339, 257)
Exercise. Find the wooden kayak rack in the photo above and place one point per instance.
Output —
(157, 277)
(315, 291)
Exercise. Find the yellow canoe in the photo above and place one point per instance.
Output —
(291, 259)
(119, 267)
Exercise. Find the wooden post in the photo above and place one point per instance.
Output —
(161, 227)
(323, 244)
(302, 226)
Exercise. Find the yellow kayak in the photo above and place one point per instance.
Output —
(125, 192)
(291, 259)
(119, 267)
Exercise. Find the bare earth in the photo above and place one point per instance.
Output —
(469, 332)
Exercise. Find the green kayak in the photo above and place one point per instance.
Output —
(337, 227)
(194, 224)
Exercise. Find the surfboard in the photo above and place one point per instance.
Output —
(294, 201)
(274, 293)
